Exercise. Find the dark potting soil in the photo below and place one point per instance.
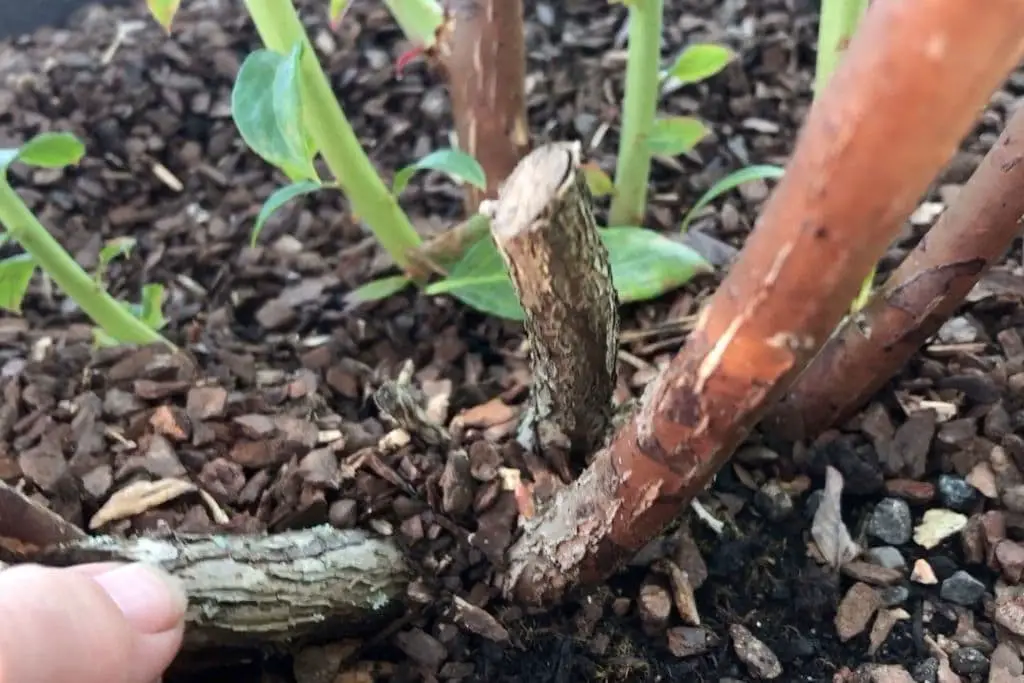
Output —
(279, 355)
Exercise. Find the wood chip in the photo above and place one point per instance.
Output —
(138, 497)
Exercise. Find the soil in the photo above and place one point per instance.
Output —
(277, 353)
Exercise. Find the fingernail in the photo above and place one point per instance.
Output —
(152, 600)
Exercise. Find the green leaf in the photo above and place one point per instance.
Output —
(266, 105)
(15, 274)
(481, 280)
(119, 246)
(279, 198)
(454, 162)
(676, 135)
(644, 263)
(731, 181)
(163, 11)
(698, 62)
(378, 289)
(151, 313)
(598, 182)
(51, 150)
(288, 108)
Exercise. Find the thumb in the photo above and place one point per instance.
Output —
(101, 623)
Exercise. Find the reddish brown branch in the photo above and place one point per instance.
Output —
(919, 296)
(907, 90)
(483, 54)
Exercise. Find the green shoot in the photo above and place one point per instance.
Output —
(640, 102)
(303, 118)
(58, 150)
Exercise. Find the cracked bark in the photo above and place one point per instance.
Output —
(259, 591)
(869, 348)
(865, 155)
(545, 230)
(483, 54)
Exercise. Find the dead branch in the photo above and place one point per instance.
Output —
(867, 152)
(871, 347)
(545, 230)
(483, 55)
(257, 591)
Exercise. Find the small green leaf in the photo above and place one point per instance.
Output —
(151, 313)
(266, 90)
(698, 62)
(597, 180)
(676, 135)
(163, 11)
(119, 246)
(15, 274)
(733, 180)
(288, 109)
(481, 280)
(52, 150)
(646, 264)
(375, 290)
(279, 198)
(454, 162)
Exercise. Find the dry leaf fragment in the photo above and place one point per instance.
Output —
(138, 497)
(828, 529)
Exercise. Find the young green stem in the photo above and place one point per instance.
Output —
(279, 27)
(639, 107)
(839, 20)
(110, 315)
(418, 19)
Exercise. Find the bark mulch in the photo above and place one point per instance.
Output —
(273, 418)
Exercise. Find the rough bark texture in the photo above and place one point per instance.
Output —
(867, 152)
(260, 591)
(870, 347)
(483, 54)
(545, 230)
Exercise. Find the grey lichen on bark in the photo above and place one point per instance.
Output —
(544, 228)
(260, 591)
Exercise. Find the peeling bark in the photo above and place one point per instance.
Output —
(872, 346)
(544, 228)
(260, 591)
(907, 90)
(483, 54)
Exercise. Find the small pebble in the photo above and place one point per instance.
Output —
(891, 522)
(962, 589)
(926, 671)
(888, 557)
(923, 573)
(968, 660)
(956, 494)
(773, 502)
(894, 595)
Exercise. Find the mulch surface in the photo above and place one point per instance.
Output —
(273, 415)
